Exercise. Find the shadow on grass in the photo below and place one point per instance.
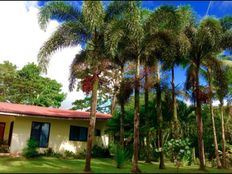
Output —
(100, 165)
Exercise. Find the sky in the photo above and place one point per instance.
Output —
(21, 37)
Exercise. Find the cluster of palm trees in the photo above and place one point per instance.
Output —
(124, 32)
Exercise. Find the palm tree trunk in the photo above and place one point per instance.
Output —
(159, 118)
(175, 121)
(122, 105)
(199, 123)
(91, 125)
(146, 99)
(122, 125)
(223, 135)
(213, 121)
(113, 103)
(135, 167)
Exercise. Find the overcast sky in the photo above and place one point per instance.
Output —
(21, 37)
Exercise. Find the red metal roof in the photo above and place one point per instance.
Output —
(47, 112)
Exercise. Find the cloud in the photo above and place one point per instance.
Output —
(21, 39)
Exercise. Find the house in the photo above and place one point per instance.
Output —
(58, 129)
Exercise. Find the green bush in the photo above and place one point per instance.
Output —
(81, 155)
(178, 150)
(120, 157)
(31, 150)
(229, 155)
(48, 152)
(69, 155)
(4, 149)
(100, 152)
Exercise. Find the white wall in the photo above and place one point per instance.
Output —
(59, 134)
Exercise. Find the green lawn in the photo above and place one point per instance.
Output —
(49, 164)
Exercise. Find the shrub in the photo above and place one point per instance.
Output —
(49, 152)
(100, 152)
(31, 150)
(69, 155)
(4, 149)
(178, 150)
(120, 157)
(57, 155)
(81, 155)
(3, 142)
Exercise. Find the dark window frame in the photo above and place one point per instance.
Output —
(40, 132)
(78, 136)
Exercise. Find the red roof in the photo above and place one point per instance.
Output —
(47, 112)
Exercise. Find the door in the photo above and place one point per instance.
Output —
(2, 129)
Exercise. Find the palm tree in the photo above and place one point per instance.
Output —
(184, 17)
(147, 85)
(221, 84)
(160, 27)
(212, 73)
(210, 65)
(126, 89)
(206, 39)
(78, 27)
(127, 30)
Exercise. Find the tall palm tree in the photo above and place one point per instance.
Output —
(146, 61)
(159, 27)
(78, 27)
(206, 38)
(210, 65)
(184, 17)
(126, 89)
(213, 73)
(123, 89)
(127, 30)
(221, 84)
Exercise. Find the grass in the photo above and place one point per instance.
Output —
(55, 165)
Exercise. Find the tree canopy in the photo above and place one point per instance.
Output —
(27, 86)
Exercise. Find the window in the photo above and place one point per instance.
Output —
(40, 133)
(78, 133)
(97, 132)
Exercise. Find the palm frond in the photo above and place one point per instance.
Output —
(157, 44)
(225, 60)
(186, 16)
(68, 34)
(164, 18)
(93, 14)
(190, 77)
(220, 81)
(77, 67)
(208, 36)
(58, 10)
(226, 41)
(226, 23)
(133, 23)
(113, 34)
(116, 9)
